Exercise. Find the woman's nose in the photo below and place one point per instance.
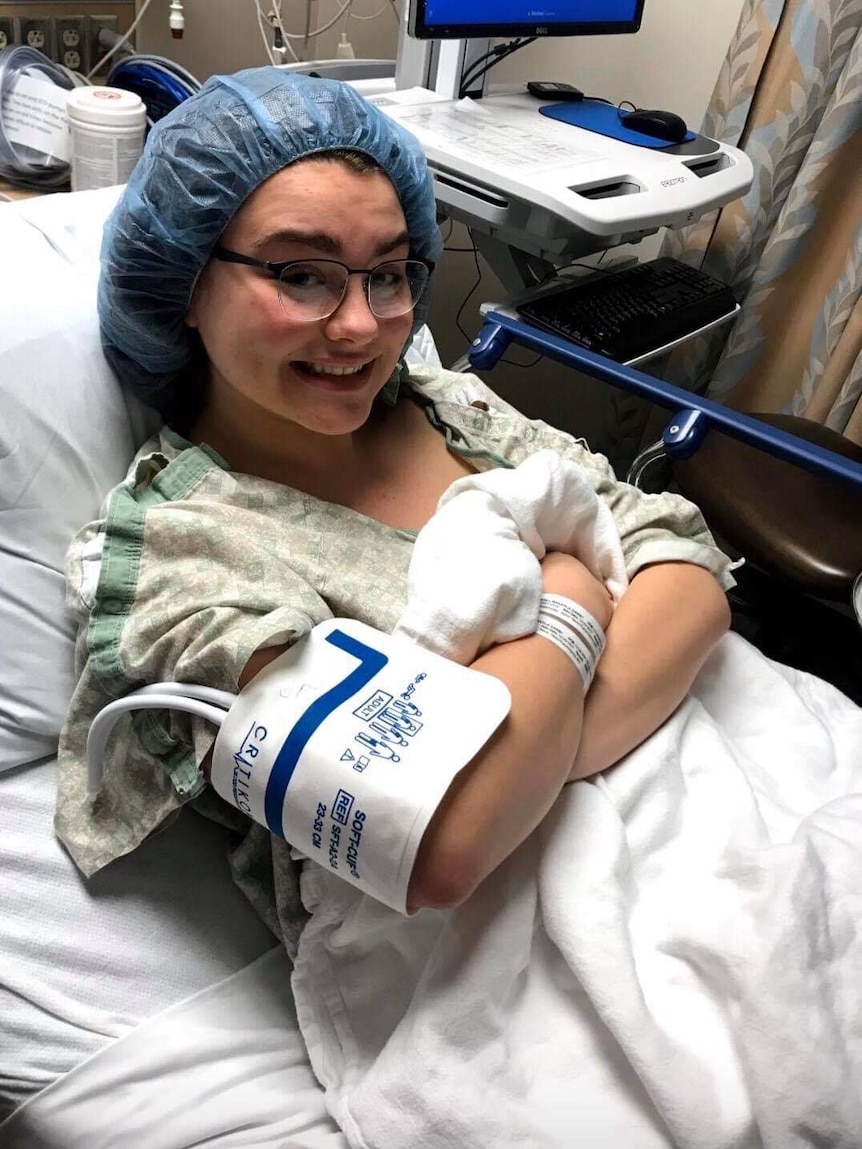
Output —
(353, 319)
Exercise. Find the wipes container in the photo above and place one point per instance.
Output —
(106, 129)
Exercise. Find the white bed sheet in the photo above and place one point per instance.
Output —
(226, 1068)
(84, 963)
(673, 960)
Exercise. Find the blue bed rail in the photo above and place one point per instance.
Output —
(694, 415)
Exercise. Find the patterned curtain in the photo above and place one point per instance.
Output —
(790, 95)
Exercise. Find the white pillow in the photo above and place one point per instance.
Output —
(66, 437)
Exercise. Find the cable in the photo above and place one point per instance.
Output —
(499, 58)
(159, 696)
(469, 293)
(260, 23)
(388, 6)
(123, 40)
(274, 20)
(515, 363)
(474, 251)
(223, 698)
(160, 83)
(467, 75)
(317, 31)
(287, 46)
(192, 83)
(476, 71)
(495, 51)
(78, 80)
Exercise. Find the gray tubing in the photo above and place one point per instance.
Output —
(200, 701)
(21, 165)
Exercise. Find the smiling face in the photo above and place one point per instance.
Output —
(267, 371)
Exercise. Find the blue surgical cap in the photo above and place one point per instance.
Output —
(200, 164)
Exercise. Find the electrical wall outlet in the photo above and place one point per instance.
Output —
(97, 49)
(70, 39)
(7, 32)
(36, 33)
(71, 58)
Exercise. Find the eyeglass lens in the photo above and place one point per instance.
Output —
(314, 288)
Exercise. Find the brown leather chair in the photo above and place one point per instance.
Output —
(801, 536)
(804, 530)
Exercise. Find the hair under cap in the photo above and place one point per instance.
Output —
(200, 163)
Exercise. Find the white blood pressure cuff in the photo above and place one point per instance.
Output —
(346, 744)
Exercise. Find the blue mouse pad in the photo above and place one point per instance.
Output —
(604, 119)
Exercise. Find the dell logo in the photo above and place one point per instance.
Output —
(670, 183)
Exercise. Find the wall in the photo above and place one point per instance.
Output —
(223, 35)
(672, 62)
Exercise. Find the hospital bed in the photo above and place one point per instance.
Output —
(152, 1007)
(87, 967)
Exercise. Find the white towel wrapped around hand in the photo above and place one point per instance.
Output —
(475, 576)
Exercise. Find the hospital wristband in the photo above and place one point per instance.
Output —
(574, 630)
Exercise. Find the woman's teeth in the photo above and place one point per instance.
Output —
(326, 369)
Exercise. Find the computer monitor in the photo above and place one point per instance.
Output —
(495, 19)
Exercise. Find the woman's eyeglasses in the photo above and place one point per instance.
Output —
(310, 289)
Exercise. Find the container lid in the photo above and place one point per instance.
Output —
(109, 106)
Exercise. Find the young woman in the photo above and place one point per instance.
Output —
(262, 274)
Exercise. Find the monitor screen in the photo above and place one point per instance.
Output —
(461, 19)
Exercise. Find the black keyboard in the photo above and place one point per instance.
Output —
(628, 313)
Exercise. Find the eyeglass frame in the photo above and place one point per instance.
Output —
(277, 269)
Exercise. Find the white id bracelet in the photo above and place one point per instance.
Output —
(574, 630)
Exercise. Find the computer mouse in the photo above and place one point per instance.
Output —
(653, 122)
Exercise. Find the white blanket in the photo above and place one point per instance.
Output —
(474, 575)
(672, 959)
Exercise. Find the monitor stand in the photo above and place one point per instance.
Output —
(437, 64)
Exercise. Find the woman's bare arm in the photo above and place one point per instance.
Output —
(499, 798)
(664, 627)
(662, 631)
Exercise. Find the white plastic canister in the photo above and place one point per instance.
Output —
(107, 128)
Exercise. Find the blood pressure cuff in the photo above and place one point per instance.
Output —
(346, 744)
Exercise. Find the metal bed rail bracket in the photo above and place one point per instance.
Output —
(695, 415)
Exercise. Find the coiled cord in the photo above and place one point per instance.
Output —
(161, 83)
(21, 165)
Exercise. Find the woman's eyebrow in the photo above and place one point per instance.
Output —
(400, 240)
(324, 242)
(317, 239)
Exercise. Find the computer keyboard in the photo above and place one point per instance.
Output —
(629, 313)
